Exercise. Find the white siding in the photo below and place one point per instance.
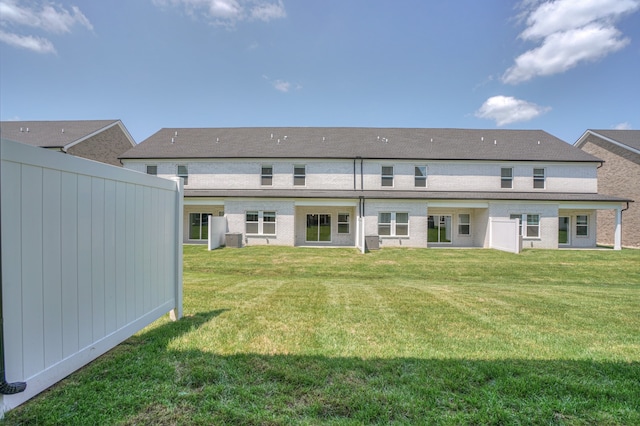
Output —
(339, 175)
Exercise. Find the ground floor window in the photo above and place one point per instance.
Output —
(199, 226)
(464, 224)
(582, 225)
(318, 227)
(260, 222)
(563, 230)
(531, 222)
(344, 223)
(393, 224)
(439, 228)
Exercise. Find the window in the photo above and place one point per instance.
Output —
(506, 177)
(269, 223)
(439, 228)
(266, 178)
(183, 172)
(343, 223)
(464, 224)
(152, 169)
(387, 175)
(529, 224)
(538, 178)
(299, 175)
(260, 223)
(393, 224)
(420, 180)
(533, 225)
(582, 225)
(199, 226)
(318, 227)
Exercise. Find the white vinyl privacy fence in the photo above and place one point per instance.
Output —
(505, 235)
(91, 254)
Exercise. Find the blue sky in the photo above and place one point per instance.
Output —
(562, 66)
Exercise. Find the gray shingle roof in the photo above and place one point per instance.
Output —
(351, 142)
(629, 138)
(51, 134)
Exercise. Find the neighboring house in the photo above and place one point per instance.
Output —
(408, 187)
(619, 176)
(98, 140)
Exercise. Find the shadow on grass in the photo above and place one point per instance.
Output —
(142, 381)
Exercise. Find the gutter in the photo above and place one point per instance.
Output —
(6, 388)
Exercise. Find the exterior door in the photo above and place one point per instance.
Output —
(564, 230)
(318, 228)
(439, 229)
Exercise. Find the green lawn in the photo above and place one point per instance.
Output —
(397, 336)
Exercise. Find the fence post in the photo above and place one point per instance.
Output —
(176, 312)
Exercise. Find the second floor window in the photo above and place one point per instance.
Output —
(506, 177)
(183, 172)
(387, 175)
(299, 175)
(420, 176)
(152, 169)
(538, 178)
(266, 177)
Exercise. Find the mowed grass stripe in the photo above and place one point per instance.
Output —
(277, 335)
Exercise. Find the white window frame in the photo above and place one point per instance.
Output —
(184, 173)
(261, 221)
(524, 225)
(504, 178)
(539, 178)
(393, 224)
(344, 223)
(418, 180)
(580, 225)
(297, 176)
(467, 224)
(386, 179)
(264, 176)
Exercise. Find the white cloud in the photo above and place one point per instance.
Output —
(562, 51)
(569, 32)
(282, 86)
(37, 44)
(49, 18)
(507, 109)
(623, 126)
(229, 12)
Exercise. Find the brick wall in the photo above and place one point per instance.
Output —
(105, 147)
(619, 176)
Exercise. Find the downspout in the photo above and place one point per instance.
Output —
(6, 388)
(361, 174)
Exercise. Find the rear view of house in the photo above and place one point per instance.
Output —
(98, 140)
(620, 176)
(397, 186)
